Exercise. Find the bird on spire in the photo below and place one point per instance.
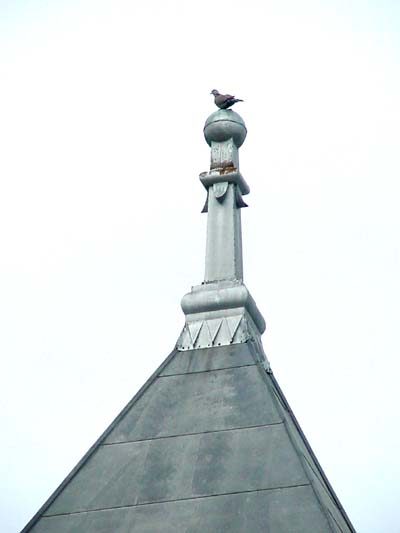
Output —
(223, 101)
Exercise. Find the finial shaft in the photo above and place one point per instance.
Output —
(221, 310)
(224, 234)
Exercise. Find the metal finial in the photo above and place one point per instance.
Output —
(221, 310)
(223, 125)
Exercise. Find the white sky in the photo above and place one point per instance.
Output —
(102, 105)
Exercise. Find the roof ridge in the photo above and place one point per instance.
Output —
(326, 484)
(96, 444)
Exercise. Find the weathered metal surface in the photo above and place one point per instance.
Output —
(188, 466)
(276, 511)
(321, 485)
(217, 314)
(240, 203)
(216, 330)
(195, 460)
(221, 296)
(229, 175)
(224, 235)
(220, 189)
(224, 155)
(210, 359)
(223, 125)
(199, 402)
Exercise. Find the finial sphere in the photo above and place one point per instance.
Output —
(223, 125)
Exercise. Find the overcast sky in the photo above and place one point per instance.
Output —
(102, 106)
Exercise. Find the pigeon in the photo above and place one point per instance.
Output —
(223, 101)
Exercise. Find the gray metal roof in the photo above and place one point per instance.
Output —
(209, 444)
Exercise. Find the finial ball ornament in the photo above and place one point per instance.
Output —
(223, 125)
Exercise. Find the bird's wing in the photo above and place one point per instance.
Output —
(227, 97)
(223, 99)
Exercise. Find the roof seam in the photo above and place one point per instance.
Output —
(324, 508)
(269, 489)
(318, 478)
(97, 444)
(283, 404)
(280, 397)
(204, 371)
(334, 520)
(191, 434)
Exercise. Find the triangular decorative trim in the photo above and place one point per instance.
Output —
(233, 324)
(214, 326)
(224, 334)
(194, 330)
(185, 341)
(204, 337)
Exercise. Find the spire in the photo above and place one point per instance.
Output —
(221, 310)
(209, 443)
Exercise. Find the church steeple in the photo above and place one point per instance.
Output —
(209, 443)
(221, 310)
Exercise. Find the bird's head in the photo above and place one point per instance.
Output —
(214, 92)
